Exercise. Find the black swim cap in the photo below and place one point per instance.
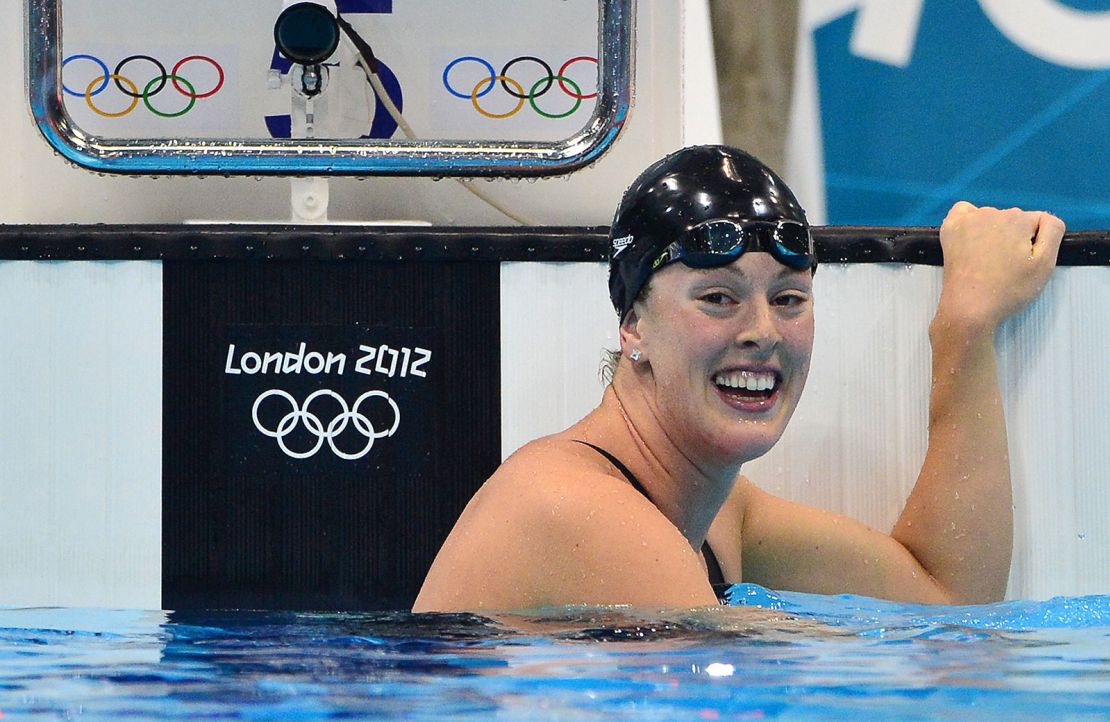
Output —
(684, 190)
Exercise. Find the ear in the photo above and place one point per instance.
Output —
(630, 333)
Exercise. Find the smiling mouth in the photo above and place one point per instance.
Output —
(749, 389)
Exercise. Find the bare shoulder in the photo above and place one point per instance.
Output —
(555, 526)
(541, 474)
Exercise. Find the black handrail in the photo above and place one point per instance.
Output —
(835, 244)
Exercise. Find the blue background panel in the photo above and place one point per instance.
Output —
(972, 117)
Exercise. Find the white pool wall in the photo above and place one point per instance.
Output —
(81, 434)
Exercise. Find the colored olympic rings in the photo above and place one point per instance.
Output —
(104, 73)
(119, 69)
(549, 77)
(474, 95)
(205, 58)
(192, 95)
(577, 95)
(89, 93)
(152, 88)
(513, 87)
(563, 72)
(451, 66)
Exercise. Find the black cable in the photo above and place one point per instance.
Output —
(366, 53)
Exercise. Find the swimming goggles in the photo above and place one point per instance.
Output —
(719, 242)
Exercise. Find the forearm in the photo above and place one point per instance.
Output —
(958, 520)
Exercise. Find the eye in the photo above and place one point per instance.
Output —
(790, 299)
(716, 298)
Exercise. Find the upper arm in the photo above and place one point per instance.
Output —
(787, 545)
(544, 541)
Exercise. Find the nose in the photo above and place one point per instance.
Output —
(758, 331)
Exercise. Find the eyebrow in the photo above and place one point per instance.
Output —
(729, 268)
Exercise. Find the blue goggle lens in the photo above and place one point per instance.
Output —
(719, 243)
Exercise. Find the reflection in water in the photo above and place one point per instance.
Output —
(795, 655)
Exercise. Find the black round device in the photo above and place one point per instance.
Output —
(306, 33)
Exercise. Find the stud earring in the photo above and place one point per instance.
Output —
(635, 354)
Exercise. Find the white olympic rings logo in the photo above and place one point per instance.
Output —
(334, 428)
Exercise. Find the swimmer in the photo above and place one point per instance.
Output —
(642, 501)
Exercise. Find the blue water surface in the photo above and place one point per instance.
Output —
(770, 655)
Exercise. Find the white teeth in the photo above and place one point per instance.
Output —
(749, 380)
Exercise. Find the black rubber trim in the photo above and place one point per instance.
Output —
(835, 244)
(921, 245)
(287, 242)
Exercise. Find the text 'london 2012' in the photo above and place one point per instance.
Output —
(383, 359)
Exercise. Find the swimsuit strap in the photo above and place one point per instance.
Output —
(713, 567)
(621, 468)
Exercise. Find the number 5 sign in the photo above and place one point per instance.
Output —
(383, 125)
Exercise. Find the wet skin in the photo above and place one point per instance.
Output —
(697, 327)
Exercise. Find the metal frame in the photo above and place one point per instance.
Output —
(189, 156)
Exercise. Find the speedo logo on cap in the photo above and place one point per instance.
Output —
(619, 244)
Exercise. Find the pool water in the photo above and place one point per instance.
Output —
(770, 655)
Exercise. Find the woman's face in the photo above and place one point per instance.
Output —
(728, 352)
